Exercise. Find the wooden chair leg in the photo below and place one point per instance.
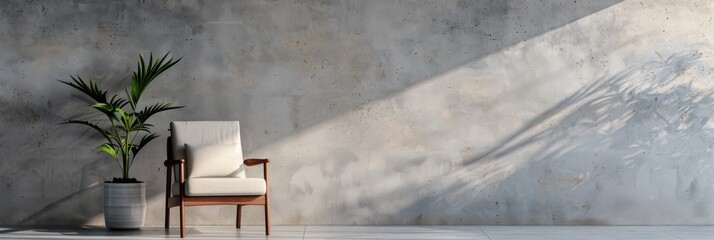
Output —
(238, 211)
(267, 218)
(183, 222)
(167, 215)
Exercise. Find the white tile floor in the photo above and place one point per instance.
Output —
(372, 232)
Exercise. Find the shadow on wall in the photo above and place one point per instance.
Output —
(376, 56)
(623, 150)
(52, 174)
(44, 169)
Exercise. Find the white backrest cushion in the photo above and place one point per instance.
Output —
(215, 160)
(197, 133)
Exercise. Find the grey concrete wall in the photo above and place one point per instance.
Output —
(381, 112)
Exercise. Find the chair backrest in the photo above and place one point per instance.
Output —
(201, 133)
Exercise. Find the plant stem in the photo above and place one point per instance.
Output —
(116, 132)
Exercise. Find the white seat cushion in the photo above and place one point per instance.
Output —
(222, 186)
(214, 160)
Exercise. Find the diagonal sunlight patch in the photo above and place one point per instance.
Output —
(471, 143)
(420, 147)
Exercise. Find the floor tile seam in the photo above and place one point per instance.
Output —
(667, 232)
(484, 232)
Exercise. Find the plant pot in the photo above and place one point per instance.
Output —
(124, 205)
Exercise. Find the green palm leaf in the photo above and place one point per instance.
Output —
(145, 74)
(109, 149)
(149, 111)
(144, 140)
(126, 123)
(92, 89)
(106, 134)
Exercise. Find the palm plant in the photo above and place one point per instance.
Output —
(128, 131)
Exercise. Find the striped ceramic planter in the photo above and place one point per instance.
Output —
(124, 205)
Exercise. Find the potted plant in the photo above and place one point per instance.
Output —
(126, 132)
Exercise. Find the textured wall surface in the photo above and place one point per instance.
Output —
(380, 112)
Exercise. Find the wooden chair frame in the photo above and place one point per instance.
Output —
(184, 201)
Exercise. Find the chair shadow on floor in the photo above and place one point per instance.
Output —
(83, 231)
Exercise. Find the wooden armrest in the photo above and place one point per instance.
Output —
(173, 162)
(255, 161)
